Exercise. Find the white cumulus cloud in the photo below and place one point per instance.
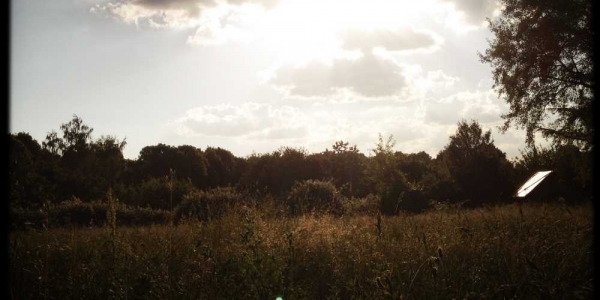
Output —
(169, 13)
(392, 40)
(484, 106)
(248, 119)
(369, 76)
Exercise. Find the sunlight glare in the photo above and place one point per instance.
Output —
(296, 32)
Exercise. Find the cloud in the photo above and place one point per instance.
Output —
(154, 13)
(234, 23)
(264, 3)
(256, 120)
(172, 4)
(313, 125)
(483, 106)
(391, 40)
(316, 126)
(369, 76)
(473, 12)
(168, 13)
(434, 84)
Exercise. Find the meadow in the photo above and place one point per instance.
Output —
(528, 251)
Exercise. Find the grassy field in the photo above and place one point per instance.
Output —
(533, 252)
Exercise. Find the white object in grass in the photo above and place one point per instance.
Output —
(530, 184)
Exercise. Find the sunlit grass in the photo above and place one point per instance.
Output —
(546, 253)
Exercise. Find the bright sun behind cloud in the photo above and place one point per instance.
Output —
(300, 31)
(297, 32)
(294, 32)
(390, 66)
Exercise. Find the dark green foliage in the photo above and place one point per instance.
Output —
(207, 205)
(479, 170)
(469, 168)
(314, 196)
(276, 172)
(187, 161)
(75, 213)
(157, 193)
(222, 167)
(80, 166)
(368, 205)
(348, 169)
(403, 197)
(391, 195)
(415, 166)
(414, 200)
(397, 190)
(109, 162)
(32, 172)
(542, 59)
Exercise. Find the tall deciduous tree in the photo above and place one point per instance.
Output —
(221, 167)
(347, 168)
(479, 169)
(31, 173)
(188, 162)
(88, 167)
(542, 64)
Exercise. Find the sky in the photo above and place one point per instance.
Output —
(251, 76)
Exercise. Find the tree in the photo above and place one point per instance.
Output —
(221, 167)
(479, 169)
(342, 147)
(87, 167)
(109, 162)
(347, 166)
(542, 63)
(30, 168)
(291, 167)
(394, 187)
(414, 165)
(382, 164)
(188, 161)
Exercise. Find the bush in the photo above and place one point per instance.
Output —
(368, 205)
(314, 196)
(78, 214)
(206, 205)
(403, 196)
(391, 195)
(156, 192)
(414, 200)
(142, 216)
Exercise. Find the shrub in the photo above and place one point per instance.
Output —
(403, 196)
(414, 200)
(206, 205)
(391, 193)
(156, 192)
(78, 214)
(314, 196)
(142, 216)
(368, 205)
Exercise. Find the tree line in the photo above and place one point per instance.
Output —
(470, 170)
(542, 60)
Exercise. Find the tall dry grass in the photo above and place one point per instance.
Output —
(508, 252)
